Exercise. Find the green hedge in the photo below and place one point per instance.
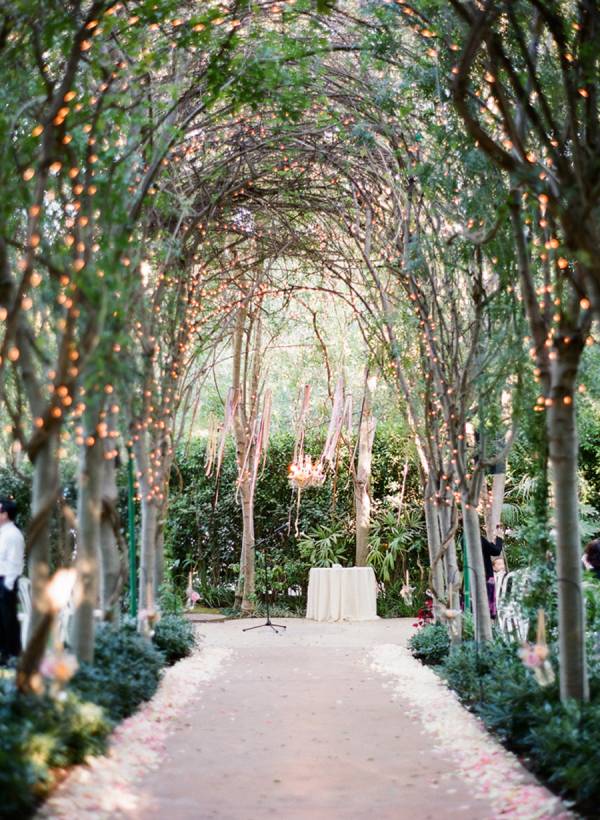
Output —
(560, 743)
(39, 735)
(174, 637)
(42, 734)
(126, 671)
(430, 644)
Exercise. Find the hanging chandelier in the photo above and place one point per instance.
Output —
(306, 473)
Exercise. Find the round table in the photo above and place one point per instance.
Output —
(342, 594)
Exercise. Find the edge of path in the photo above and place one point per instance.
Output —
(104, 785)
(493, 772)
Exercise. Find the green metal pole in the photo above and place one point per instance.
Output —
(467, 576)
(131, 528)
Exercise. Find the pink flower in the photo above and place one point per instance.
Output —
(533, 655)
(192, 597)
(59, 666)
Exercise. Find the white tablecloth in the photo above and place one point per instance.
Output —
(342, 594)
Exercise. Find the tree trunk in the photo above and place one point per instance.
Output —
(146, 596)
(111, 578)
(562, 435)
(149, 528)
(159, 555)
(495, 498)
(43, 497)
(362, 478)
(475, 567)
(89, 508)
(433, 542)
(494, 506)
(451, 563)
(239, 589)
(159, 559)
(244, 428)
(248, 552)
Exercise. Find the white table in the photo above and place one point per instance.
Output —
(342, 594)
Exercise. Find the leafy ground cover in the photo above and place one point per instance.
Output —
(41, 736)
(559, 742)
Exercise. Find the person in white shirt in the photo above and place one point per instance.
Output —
(12, 556)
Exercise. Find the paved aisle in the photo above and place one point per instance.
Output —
(298, 726)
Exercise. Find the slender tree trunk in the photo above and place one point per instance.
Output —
(559, 369)
(453, 578)
(149, 525)
(433, 541)
(159, 556)
(495, 498)
(494, 506)
(244, 429)
(248, 551)
(562, 436)
(159, 559)
(43, 498)
(89, 509)
(146, 595)
(239, 589)
(112, 568)
(362, 478)
(475, 567)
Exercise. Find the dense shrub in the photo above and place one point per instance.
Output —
(125, 672)
(41, 734)
(37, 736)
(430, 644)
(174, 636)
(16, 483)
(170, 599)
(559, 742)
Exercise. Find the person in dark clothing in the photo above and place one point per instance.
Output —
(591, 557)
(492, 550)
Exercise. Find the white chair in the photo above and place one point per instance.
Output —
(64, 623)
(24, 615)
(509, 600)
(64, 618)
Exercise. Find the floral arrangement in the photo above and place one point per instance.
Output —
(58, 667)
(407, 590)
(147, 619)
(536, 656)
(425, 613)
(192, 598)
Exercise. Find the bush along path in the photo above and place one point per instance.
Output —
(559, 743)
(41, 736)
